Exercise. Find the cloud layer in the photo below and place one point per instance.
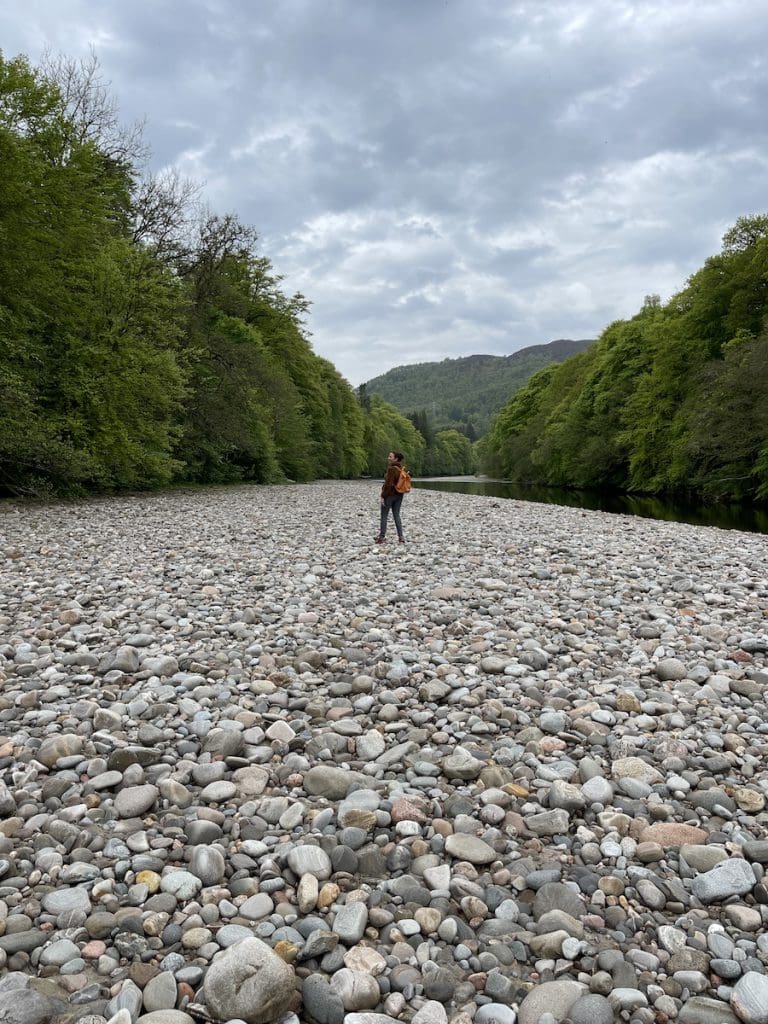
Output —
(440, 177)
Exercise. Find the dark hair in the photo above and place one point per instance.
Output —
(398, 455)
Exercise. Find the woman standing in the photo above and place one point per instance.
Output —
(391, 498)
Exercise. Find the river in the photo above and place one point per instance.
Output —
(725, 516)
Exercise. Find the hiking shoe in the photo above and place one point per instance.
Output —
(378, 540)
(401, 540)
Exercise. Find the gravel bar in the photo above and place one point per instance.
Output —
(255, 768)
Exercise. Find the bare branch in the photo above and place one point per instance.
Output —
(93, 112)
(166, 207)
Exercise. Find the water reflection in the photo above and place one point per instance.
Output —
(727, 517)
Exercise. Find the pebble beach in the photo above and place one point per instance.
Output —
(254, 767)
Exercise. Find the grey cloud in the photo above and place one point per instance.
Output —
(441, 178)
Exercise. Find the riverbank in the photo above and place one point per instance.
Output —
(516, 766)
(746, 517)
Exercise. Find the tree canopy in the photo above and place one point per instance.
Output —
(671, 400)
(143, 339)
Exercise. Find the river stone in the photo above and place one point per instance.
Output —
(13, 981)
(672, 939)
(757, 850)
(556, 896)
(591, 1009)
(259, 620)
(59, 952)
(219, 792)
(165, 1017)
(548, 945)
(566, 796)
(370, 1018)
(349, 924)
(597, 790)
(669, 833)
(310, 860)
(134, 801)
(231, 934)
(248, 982)
(671, 669)
(54, 747)
(625, 999)
(703, 1010)
(25, 1006)
(251, 781)
(553, 722)
(746, 919)
(466, 847)
(160, 992)
(636, 768)
(162, 665)
(208, 864)
(703, 858)
(307, 893)
(223, 743)
(493, 665)
(432, 1012)
(124, 659)
(257, 907)
(548, 823)
(357, 817)
(370, 745)
(750, 998)
(182, 884)
(128, 999)
(365, 958)
(462, 765)
(732, 877)
(489, 1013)
(64, 901)
(321, 1003)
(749, 799)
(331, 782)
(554, 997)
(357, 991)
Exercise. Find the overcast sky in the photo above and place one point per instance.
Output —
(446, 177)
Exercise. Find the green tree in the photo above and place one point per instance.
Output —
(388, 430)
(668, 401)
(88, 328)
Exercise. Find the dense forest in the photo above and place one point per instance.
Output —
(464, 394)
(671, 401)
(144, 339)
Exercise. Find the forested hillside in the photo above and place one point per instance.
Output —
(673, 400)
(463, 394)
(143, 339)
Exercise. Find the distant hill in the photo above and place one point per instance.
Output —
(465, 393)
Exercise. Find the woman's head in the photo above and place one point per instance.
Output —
(395, 456)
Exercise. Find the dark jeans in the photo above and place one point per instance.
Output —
(394, 504)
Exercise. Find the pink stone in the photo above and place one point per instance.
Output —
(94, 949)
(334, 714)
(405, 810)
(669, 833)
(548, 744)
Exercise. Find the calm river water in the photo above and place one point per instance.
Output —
(728, 517)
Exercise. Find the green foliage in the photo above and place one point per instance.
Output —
(89, 386)
(133, 353)
(464, 394)
(450, 454)
(226, 432)
(388, 430)
(671, 400)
